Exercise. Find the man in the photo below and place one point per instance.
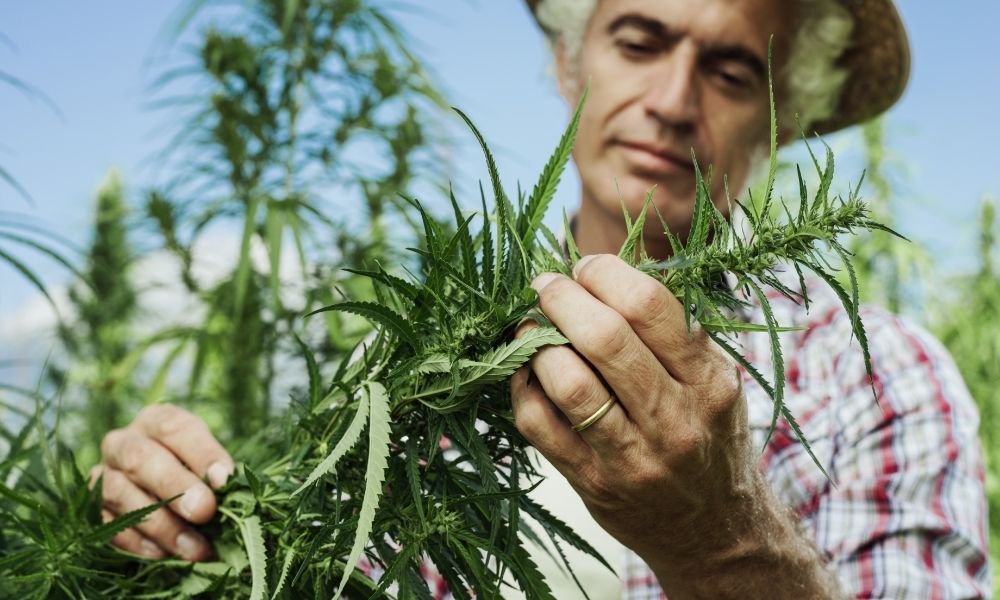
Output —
(657, 431)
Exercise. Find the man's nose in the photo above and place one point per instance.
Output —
(673, 94)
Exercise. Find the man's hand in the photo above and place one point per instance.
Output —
(668, 470)
(165, 452)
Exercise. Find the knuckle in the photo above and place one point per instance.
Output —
(110, 442)
(646, 303)
(608, 338)
(133, 453)
(166, 420)
(552, 292)
(527, 421)
(112, 488)
(726, 388)
(597, 263)
(573, 390)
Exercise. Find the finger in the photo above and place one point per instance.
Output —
(162, 526)
(189, 438)
(156, 470)
(574, 388)
(605, 339)
(132, 541)
(655, 315)
(578, 393)
(545, 428)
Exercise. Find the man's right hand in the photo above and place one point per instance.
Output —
(165, 452)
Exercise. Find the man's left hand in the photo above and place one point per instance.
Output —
(668, 470)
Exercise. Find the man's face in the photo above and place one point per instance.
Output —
(667, 76)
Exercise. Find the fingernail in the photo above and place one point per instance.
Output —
(218, 474)
(189, 546)
(580, 264)
(151, 550)
(192, 500)
(543, 280)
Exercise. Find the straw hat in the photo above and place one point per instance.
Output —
(877, 60)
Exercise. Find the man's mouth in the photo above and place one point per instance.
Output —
(650, 159)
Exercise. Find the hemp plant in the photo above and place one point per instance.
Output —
(100, 335)
(308, 120)
(968, 324)
(408, 452)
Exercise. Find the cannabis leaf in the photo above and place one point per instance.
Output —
(378, 453)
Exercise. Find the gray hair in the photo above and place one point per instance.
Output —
(812, 80)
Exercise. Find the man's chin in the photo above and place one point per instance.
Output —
(670, 195)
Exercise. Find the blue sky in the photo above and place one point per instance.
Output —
(95, 60)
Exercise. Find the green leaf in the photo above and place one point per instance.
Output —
(496, 364)
(766, 386)
(27, 274)
(274, 227)
(777, 359)
(253, 541)
(396, 569)
(315, 387)
(243, 267)
(635, 230)
(378, 459)
(435, 363)
(350, 438)
(379, 314)
(544, 190)
(286, 565)
(105, 532)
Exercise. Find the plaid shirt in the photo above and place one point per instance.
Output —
(907, 518)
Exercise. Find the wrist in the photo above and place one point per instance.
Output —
(753, 544)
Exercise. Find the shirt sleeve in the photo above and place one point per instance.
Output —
(907, 516)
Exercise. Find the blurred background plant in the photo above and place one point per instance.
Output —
(967, 321)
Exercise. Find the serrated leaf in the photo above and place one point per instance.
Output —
(253, 542)
(497, 364)
(344, 444)
(378, 459)
(105, 532)
(435, 363)
(777, 359)
(548, 181)
(286, 565)
(379, 314)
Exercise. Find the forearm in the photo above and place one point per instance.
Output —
(757, 552)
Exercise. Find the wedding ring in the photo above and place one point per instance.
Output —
(596, 416)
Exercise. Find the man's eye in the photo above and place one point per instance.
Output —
(732, 79)
(635, 49)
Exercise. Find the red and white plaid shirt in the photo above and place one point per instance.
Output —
(907, 518)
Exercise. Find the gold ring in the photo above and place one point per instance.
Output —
(596, 416)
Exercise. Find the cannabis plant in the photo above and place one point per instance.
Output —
(100, 335)
(968, 323)
(307, 124)
(408, 453)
